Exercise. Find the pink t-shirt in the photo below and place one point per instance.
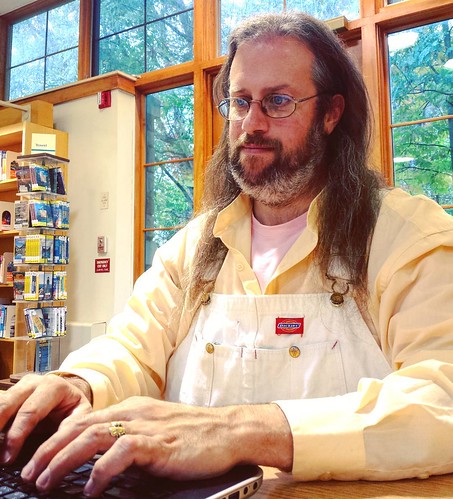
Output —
(270, 243)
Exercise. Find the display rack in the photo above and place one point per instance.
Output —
(18, 132)
(41, 254)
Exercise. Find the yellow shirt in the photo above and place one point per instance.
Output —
(398, 427)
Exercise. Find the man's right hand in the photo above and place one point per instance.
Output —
(35, 399)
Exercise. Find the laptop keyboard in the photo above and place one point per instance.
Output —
(130, 486)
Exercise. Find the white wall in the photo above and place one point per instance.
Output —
(101, 153)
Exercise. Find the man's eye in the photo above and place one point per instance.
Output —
(278, 100)
(240, 103)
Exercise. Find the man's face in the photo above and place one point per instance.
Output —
(274, 160)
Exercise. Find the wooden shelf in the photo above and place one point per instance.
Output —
(11, 136)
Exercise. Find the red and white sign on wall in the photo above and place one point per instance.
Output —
(101, 265)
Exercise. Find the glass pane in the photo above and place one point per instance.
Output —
(63, 25)
(234, 11)
(420, 78)
(169, 194)
(118, 15)
(169, 125)
(28, 40)
(61, 68)
(156, 9)
(328, 9)
(423, 160)
(169, 41)
(124, 52)
(26, 79)
(389, 2)
(153, 240)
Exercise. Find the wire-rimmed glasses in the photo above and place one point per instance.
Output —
(273, 105)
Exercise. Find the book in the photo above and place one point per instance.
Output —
(39, 176)
(7, 212)
(21, 214)
(5, 260)
(59, 285)
(56, 179)
(8, 164)
(18, 285)
(60, 214)
(34, 320)
(40, 213)
(7, 321)
(23, 179)
(43, 356)
(19, 249)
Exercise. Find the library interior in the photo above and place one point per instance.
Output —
(108, 120)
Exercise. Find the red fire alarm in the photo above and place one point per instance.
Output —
(104, 99)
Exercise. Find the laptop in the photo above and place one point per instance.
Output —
(238, 483)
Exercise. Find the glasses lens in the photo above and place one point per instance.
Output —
(278, 106)
(224, 108)
(238, 108)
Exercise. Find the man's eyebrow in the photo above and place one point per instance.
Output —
(266, 90)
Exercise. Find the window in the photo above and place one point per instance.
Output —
(233, 11)
(169, 165)
(142, 35)
(43, 51)
(421, 83)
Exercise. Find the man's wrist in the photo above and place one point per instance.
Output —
(263, 435)
(78, 382)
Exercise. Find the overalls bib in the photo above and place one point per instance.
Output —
(249, 349)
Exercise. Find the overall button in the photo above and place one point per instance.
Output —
(294, 352)
(209, 347)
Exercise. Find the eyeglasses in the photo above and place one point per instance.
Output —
(273, 105)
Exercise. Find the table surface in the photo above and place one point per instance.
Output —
(280, 485)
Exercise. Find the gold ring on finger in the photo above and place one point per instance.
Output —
(116, 429)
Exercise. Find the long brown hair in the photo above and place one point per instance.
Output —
(349, 201)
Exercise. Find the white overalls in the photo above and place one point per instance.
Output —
(254, 349)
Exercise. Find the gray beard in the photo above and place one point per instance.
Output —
(289, 176)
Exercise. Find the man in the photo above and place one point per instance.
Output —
(302, 321)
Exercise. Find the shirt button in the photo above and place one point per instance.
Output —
(240, 267)
(209, 348)
(294, 352)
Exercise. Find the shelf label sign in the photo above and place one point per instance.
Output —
(101, 265)
(43, 142)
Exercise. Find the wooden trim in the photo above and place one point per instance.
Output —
(167, 162)
(110, 81)
(3, 56)
(163, 79)
(139, 186)
(425, 120)
(85, 38)
(31, 9)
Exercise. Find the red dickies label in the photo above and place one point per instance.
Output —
(289, 326)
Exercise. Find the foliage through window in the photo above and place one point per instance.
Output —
(169, 165)
(233, 11)
(421, 81)
(142, 35)
(43, 51)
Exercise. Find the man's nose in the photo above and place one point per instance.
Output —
(256, 120)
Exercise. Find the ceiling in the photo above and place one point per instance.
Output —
(10, 5)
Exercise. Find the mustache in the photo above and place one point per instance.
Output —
(257, 140)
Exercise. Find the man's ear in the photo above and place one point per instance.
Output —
(334, 114)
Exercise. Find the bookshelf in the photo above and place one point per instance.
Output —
(16, 134)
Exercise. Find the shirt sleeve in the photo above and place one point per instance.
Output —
(400, 426)
(131, 358)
